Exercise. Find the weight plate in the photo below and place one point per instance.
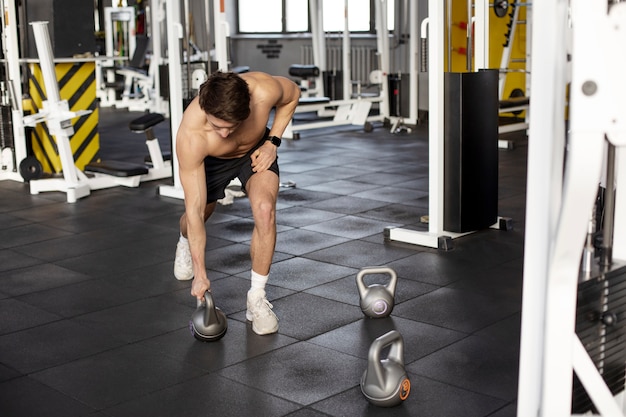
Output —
(30, 168)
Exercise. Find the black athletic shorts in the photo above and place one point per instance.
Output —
(220, 172)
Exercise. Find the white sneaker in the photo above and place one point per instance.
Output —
(260, 313)
(183, 267)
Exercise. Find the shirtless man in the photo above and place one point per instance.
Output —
(223, 135)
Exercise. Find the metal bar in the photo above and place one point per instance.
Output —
(346, 55)
(174, 35)
(609, 209)
(546, 134)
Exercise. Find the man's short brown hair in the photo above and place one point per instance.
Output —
(225, 95)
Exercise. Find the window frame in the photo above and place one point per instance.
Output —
(283, 31)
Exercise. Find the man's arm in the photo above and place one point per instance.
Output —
(193, 180)
(283, 95)
(285, 106)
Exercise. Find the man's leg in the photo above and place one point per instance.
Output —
(183, 266)
(262, 189)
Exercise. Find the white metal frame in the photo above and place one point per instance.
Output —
(174, 35)
(57, 116)
(434, 26)
(105, 69)
(349, 111)
(11, 158)
(558, 204)
(397, 122)
(432, 238)
(148, 84)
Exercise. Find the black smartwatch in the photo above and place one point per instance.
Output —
(275, 140)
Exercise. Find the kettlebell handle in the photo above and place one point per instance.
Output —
(393, 338)
(374, 365)
(205, 300)
(207, 305)
(368, 270)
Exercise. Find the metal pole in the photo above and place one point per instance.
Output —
(9, 33)
(53, 105)
(383, 53)
(186, 40)
(609, 209)
(481, 38)
(413, 75)
(449, 34)
(221, 35)
(470, 36)
(435, 109)
(174, 35)
(347, 56)
(319, 44)
(544, 181)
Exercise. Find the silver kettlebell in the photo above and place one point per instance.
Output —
(377, 300)
(385, 382)
(208, 323)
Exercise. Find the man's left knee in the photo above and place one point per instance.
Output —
(265, 209)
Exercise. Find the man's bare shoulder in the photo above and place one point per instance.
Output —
(266, 88)
(256, 76)
(191, 138)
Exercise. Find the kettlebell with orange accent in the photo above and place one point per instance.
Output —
(385, 382)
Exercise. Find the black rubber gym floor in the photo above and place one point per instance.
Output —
(93, 322)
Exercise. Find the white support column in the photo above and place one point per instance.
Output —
(44, 49)
(157, 16)
(558, 206)
(436, 116)
(222, 32)
(414, 38)
(57, 116)
(436, 36)
(174, 37)
(319, 43)
(9, 33)
(112, 15)
(346, 56)
(382, 37)
(481, 39)
(544, 182)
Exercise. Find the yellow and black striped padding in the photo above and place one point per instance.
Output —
(77, 85)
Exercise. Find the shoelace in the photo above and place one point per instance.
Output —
(264, 307)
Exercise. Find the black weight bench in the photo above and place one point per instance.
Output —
(117, 168)
(143, 124)
(304, 71)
